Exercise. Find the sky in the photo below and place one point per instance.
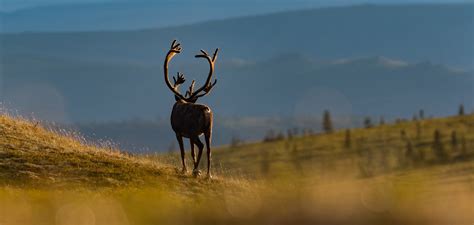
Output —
(11, 5)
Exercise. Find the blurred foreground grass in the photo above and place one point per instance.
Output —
(50, 178)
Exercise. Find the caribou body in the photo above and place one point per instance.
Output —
(188, 119)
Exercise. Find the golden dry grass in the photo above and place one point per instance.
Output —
(52, 177)
(34, 156)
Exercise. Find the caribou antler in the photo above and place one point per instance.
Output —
(178, 80)
(190, 90)
(190, 95)
(208, 85)
(174, 49)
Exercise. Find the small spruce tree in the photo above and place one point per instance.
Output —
(409, 153)
(454, 140)
(382, 121)
(270, 136)
(280, 136)
(438, 147)
(235, 141)
(367, 122)
(403, 134)
(418, 131)
(421, 114)
(289, 133)
(461, 110)
(327, 123)
(463, 146)
(171, 147)
(347, 139)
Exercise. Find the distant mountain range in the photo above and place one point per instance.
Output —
(437, 33)
(106, 15)
(287, 85)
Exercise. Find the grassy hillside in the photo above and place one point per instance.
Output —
(318, 180)
(33, 156)
(388, 174)
(362, 152)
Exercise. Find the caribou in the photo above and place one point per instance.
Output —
(189, 119)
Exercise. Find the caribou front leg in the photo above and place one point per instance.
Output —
(193, 153)
(181, 147)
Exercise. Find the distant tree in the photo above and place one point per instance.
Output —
(461, 110)
(270, 136)
(382, 121)
(171, 147)
(403, 134)
(295, 159)
(296, 131)
(366, 156)
(265, 162)
(421, 155)
(463, 146)
(235, 141)
(454, 140)
(327, 122)
(438, 147)
(273, 136)
(421, 114)
(367, 122)
(279, 136)
(384, 163)
(289, 133)
(418, 130)
(305, 132)
(347, 139)
(409, 149)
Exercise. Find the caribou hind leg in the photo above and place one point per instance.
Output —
(200, 145)
(208, 137)
(181, 147)
(193, 154)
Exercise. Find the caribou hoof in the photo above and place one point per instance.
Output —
(209, 176)
(184, 171)
(196, 173)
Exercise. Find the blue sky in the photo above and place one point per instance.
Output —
(9, 5)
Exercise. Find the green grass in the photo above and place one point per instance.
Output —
(54, 177)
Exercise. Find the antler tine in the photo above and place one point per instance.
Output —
(214, 57)
(175, 44)
(211, 86)
(179, 79)
(207, 90)
(190, 90)
(175, 49)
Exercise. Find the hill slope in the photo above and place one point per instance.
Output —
(31, 155)
(390, 148)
